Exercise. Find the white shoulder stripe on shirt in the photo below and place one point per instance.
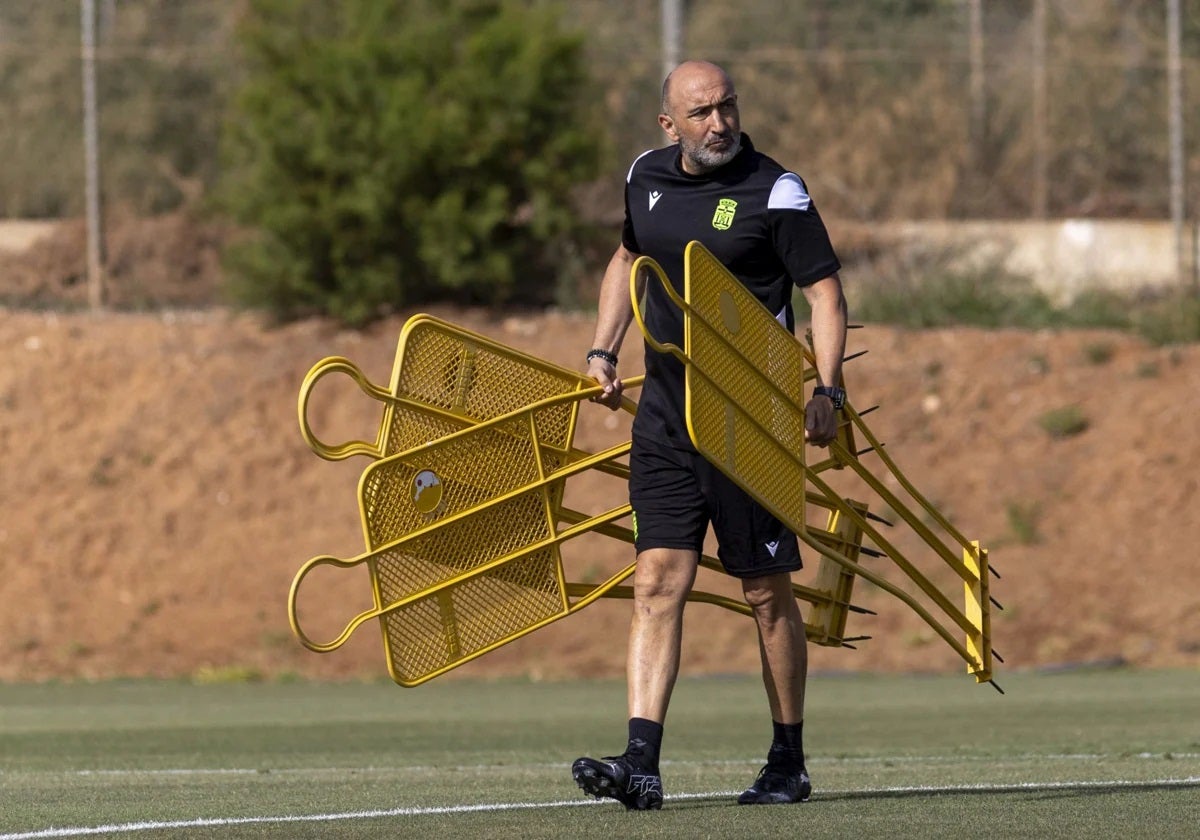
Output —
(629, 175)
(788, 194)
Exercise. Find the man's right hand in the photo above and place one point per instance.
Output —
(605, 374)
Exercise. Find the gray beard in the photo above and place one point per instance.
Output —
(707, 160)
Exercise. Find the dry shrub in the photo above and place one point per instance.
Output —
(167, 260)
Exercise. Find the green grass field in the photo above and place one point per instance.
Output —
(1101, 754)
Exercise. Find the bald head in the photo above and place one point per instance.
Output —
(700, 113)
(689, 75)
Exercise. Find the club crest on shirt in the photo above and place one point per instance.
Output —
(723, 217)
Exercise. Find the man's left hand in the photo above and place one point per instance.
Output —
(820, 421)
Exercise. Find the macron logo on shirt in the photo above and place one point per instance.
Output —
(655, 195)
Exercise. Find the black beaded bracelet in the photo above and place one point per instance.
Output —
(601, 353)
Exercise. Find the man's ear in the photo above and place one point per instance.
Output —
(668, 125)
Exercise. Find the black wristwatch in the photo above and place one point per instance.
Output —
(836, 395)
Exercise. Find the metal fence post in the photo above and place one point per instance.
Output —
(95, 265)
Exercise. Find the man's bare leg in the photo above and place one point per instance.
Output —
(783, 644)
(783, 647)
(661, 583)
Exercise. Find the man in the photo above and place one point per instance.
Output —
(710, 185)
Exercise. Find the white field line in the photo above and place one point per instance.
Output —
(216, 822)
(488, 768)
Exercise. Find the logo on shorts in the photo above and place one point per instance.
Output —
(723, 217)
(635, 524)
(772, 547)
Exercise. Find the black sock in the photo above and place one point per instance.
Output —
(645, 741)
(788, 746)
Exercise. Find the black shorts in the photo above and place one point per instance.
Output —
(676, 493)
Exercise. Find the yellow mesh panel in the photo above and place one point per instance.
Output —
(462, 544)
(471, 468)
(466, 375)
(407, 428)
(471, 617)
(459, 506)
(472, 525)
(745, 388)
(725, 435)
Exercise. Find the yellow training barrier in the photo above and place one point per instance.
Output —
(744, 385)
(462, 506)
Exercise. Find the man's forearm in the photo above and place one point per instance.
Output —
(615, 310)
(828, 328)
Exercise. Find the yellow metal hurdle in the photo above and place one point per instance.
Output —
(462, 505)
(744, 384)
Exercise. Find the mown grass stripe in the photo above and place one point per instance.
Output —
(217, 822)
(716, 762)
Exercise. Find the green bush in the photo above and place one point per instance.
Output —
(1174, 318)
(387, 153)
(1064, 422)
(1023, 522)
(1097, 308)
(1098, 352)
(940, 289)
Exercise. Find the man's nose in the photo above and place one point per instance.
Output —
(718, 123)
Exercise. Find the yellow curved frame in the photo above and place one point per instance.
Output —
(509, 468)
(723, 333)
(459, 572)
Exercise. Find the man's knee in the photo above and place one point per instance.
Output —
(664, 575)
(770, 596)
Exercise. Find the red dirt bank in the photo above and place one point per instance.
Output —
(157, 497)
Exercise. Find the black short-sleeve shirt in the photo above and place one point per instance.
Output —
(753, 215)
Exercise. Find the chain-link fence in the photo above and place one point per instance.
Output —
(920, 108)
(890, 109)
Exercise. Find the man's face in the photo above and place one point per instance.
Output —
(703, 119)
